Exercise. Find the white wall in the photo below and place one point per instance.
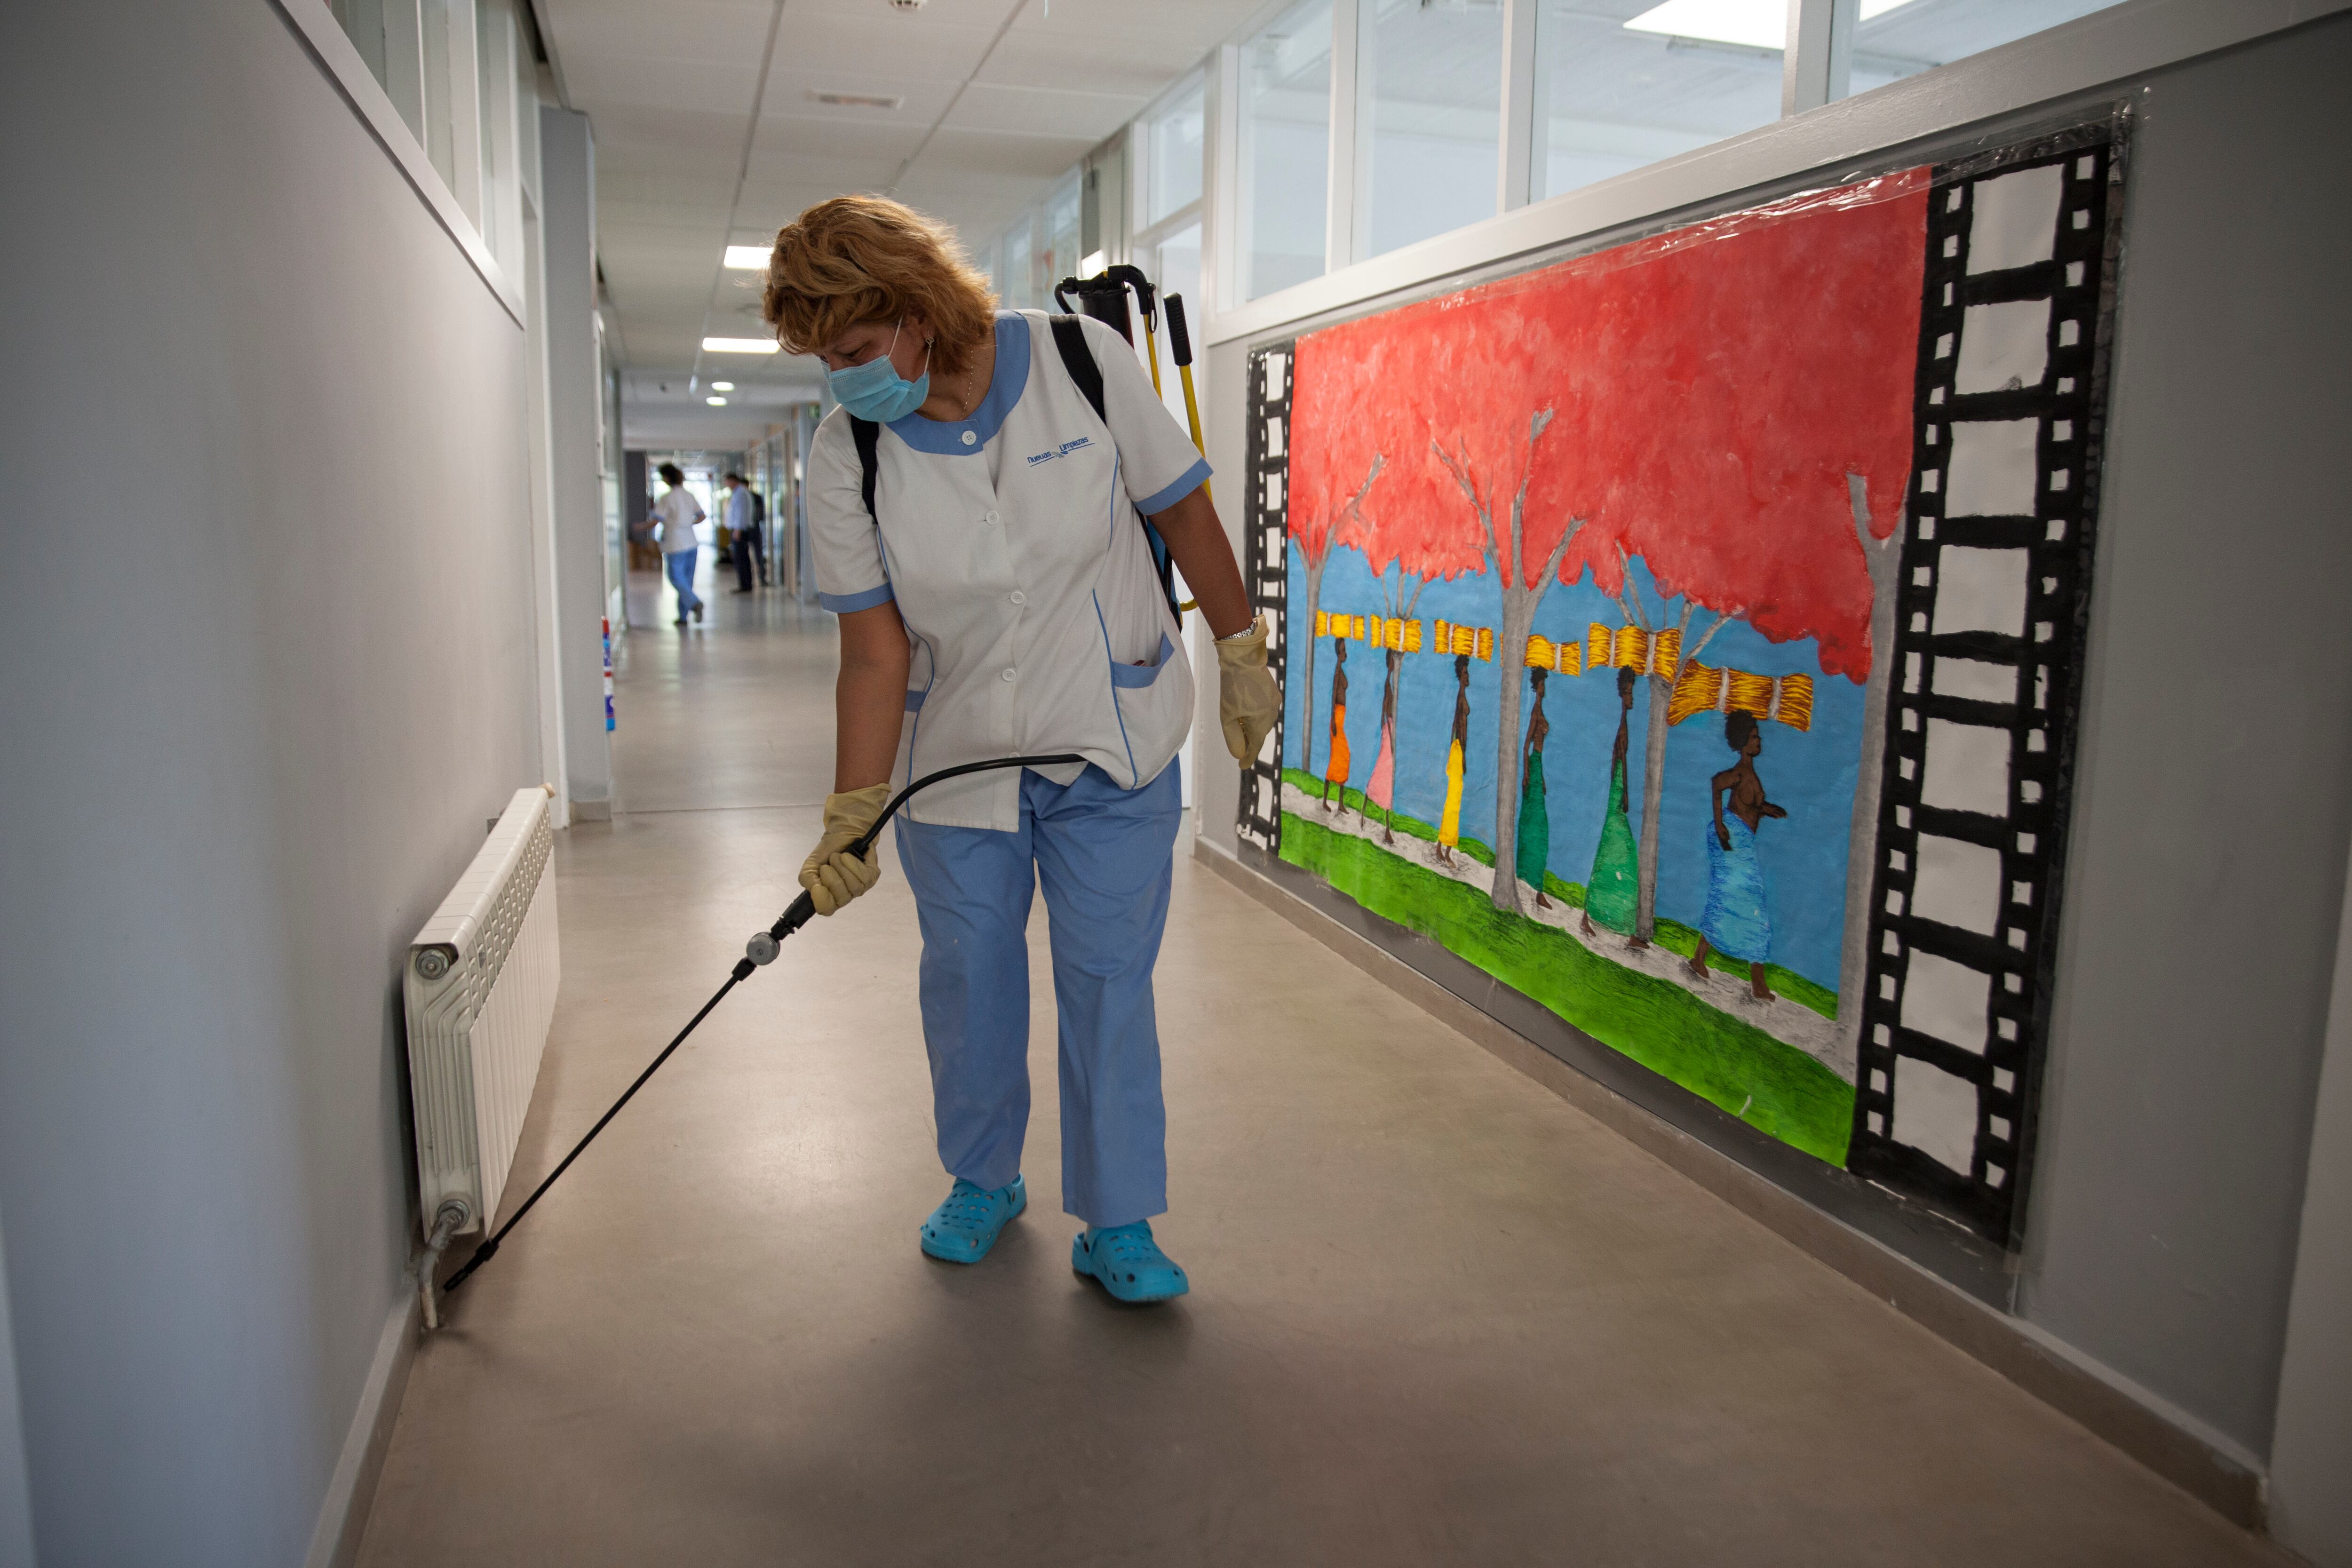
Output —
(2311, 1451)
(267, 619)
(15, 1500)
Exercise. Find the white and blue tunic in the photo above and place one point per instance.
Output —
(1012, 546)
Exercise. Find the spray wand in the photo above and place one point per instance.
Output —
(760, 951)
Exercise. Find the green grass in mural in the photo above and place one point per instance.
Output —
(1413, 826)
(1672, 935)
(1771, 1086)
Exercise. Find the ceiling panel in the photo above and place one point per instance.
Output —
(959, 150)
(1138, 67)
(718, 87)
(668, 85)
(1037, 112)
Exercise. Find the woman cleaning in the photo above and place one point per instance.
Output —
(1001, 599)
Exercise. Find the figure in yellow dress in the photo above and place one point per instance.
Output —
(1449, 826)
(1335, 767)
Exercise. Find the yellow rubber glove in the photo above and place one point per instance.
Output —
(1247, 698)
(832, 874)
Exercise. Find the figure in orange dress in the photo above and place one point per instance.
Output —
(1335, 767)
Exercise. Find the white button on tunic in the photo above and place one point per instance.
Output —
(1088, 660)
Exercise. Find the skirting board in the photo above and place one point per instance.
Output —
(591, 810)
(343, 1516)
(2166, 1440)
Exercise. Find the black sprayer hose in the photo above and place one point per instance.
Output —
(761, 949)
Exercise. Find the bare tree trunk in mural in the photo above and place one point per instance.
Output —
(1884, 559)
(1653, 748)
(1316, 559)
(1519, 601)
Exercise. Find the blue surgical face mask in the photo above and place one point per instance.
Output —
(876, 390)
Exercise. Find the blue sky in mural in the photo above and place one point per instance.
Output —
(1809, 773)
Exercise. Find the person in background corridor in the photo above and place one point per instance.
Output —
(677, 512)
(989, 608)
(1534, 820)
(1335, 768)
(743, 522)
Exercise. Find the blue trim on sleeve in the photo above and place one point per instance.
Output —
(945, 437)
(850, 604)
(1193, 478)
(915, 700)
(1133, 675)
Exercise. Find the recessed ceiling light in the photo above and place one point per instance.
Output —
(716, 402)
(856, 100)
(739, 345)
(748, 257)
(722, 386)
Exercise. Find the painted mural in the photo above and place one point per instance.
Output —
(1602, 664)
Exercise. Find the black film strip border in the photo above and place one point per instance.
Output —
(1267, 551)
(2019, 956)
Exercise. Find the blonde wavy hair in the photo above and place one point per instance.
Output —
(855, 259)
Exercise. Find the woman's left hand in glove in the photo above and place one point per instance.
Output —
(1247, 698)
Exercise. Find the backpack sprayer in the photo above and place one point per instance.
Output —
(759, 952)
(1104, 297)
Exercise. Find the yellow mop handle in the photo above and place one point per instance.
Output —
(1180, 343)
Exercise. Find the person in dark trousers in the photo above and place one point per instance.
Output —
(743, 512)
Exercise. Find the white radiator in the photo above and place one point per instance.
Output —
(481, 988)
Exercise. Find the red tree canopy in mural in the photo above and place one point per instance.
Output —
(1332, 442)
(1711, 390)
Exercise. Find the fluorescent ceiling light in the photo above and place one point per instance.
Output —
(722, 386)
(748, 257)
(716, 402)
(739, 345)
(1750, 23)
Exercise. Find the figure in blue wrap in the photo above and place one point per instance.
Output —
(977, 518)
(1738, 922)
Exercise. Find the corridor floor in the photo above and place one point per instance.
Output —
(1439, 1316)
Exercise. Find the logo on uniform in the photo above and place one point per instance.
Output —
(1064, 448)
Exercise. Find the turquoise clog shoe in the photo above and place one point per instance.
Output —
(1124, 1260)
(966, 1226)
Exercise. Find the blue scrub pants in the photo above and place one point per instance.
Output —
(679, 564)
(1105, 857)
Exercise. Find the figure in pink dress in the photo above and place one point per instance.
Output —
(1382, 790)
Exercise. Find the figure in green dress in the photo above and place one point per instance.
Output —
(1613, 891)
(1535, 821)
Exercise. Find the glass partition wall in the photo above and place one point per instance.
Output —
(1409, 106)
(1286, 150)
(1430, 120)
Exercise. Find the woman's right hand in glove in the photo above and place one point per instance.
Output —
(832, 874)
